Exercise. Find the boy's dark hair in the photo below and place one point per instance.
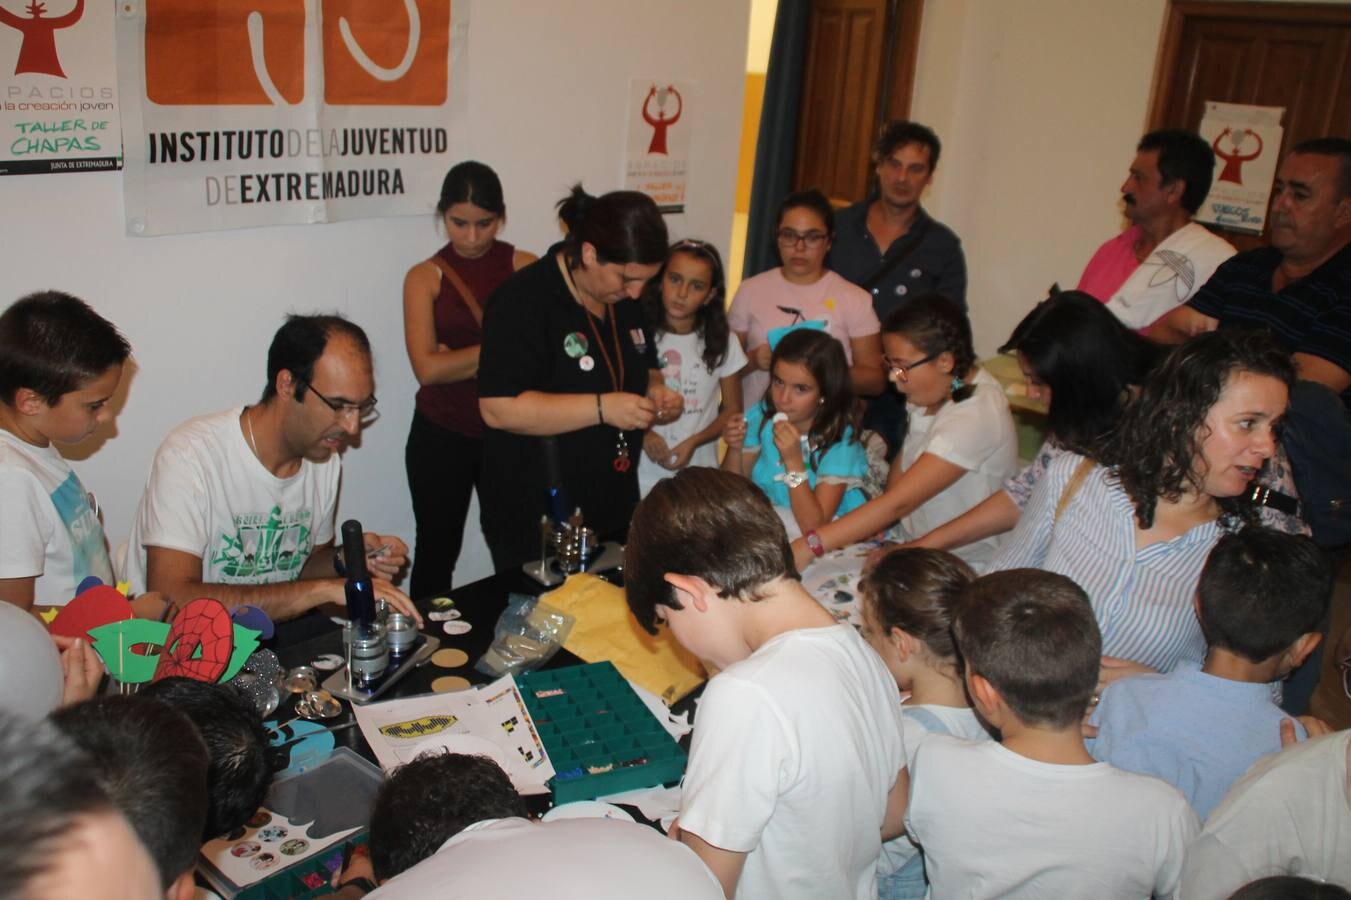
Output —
(236, 744)
(1088, 359)
(1033, 636)
(430, 800)
(897, 134)
(53, 343)
(917, 590)
(707, 523)
(1183, 155)
(624, 227)
(46, 786)
(937, 324)
(471, 182)
(1261, 590)
(823, 356)
(152, 764)
(299, 343)
(1290, 887)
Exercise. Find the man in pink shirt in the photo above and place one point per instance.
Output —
(1157, 263)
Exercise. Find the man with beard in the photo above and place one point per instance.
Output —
(1161, 260)
(240, 504)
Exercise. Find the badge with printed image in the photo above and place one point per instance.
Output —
(915, 273)
(639, 339)
(575, 345)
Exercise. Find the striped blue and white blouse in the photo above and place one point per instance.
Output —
(1143, 599)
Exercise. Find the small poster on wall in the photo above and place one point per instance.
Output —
(658, 152)
(1246, 141)
(240, 113)
(58, 87)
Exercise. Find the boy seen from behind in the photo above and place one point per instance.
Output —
(1260, 600)
(60, 363)
(1035, 814)
(797, 768)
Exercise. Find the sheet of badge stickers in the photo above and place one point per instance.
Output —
(491, 721)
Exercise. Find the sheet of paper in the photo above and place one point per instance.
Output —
(270, 843)
(491, 721)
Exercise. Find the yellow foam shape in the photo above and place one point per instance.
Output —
(48, 615)
(124, 588)
(606, 630)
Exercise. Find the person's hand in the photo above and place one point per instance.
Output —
(385, 590)
(81, 669)
(1114, 669)
(878, 553)
(802, 554)
(761, 356)
(359, 866)
(149, 605)
(656, 448)
(1313, 726)
(627, 412)
(734, 432)
(674, 832)
(392, 555)
(789, 441)
(669, 403)
(680, 455)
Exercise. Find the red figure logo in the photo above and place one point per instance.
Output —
(37, 53)
(1233, 160)
(661, 123)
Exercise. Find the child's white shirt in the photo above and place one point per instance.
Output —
(795, 750)
(993, 823)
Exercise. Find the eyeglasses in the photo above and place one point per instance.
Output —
(903, 370)
(364, 410)
(810, 239)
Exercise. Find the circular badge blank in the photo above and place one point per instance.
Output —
(457, 626)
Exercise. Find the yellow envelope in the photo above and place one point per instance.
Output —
(605, 629)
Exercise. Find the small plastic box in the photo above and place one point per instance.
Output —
(600, 737)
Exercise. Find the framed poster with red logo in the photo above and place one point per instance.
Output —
(58, 87)
(1247, 144)
(657, 156)
(241, 113)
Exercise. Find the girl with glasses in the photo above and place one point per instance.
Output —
(699, 359)
(960, 445)
(802, 292)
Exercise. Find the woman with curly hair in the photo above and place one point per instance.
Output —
(1134, 527)
(960, 445)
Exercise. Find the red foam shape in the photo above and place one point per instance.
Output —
(96, 606)
(203, 622)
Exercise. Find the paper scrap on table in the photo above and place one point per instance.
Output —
(657, 804)
(676, 726)
(491, 721)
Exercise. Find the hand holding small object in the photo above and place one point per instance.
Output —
(81, 669)
(734, 433)
(789, 441)
(680, 455)
(385, 554)
(626, 411)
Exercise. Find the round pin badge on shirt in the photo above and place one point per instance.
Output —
(902, 290)
(586, 364)
(915, 273)
(574, 344)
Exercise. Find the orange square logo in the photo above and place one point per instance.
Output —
(386, 53)
(225, 52)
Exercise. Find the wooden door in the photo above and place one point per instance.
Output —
(1297, 56)
(858, 70)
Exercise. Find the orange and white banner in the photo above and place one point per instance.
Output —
(239, 113)
(58, 87)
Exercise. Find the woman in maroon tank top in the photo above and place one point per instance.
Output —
(443, 299)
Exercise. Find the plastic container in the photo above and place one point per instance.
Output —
(600, 737)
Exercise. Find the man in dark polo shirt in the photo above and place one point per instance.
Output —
(1300, 289)
(889, 246)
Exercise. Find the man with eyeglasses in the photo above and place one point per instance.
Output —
(240, 504)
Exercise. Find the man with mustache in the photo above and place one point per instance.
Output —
(240, 505)
(1300, 289)
(1163, 257)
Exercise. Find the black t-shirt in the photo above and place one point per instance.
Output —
(536, 337)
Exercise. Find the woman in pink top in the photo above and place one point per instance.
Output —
(803, 291)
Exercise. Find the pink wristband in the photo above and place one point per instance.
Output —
(814, 544)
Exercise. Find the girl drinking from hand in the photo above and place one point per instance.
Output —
(799, 444)
(699, 359)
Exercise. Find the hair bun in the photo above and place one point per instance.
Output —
(573, 208)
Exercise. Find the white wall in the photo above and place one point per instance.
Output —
(548, 85)
(1039, 104)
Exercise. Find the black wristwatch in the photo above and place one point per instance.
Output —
(365, 884)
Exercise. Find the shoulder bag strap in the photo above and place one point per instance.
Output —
(894, 259)
(458, 283)
(1072, 487)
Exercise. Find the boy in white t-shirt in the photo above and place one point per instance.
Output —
(797, 769)
(60, 363)
(1034, 815)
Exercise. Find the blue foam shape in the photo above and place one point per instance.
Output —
(89, 582)
(255, 618)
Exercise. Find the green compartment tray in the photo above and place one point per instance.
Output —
(600, 737)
